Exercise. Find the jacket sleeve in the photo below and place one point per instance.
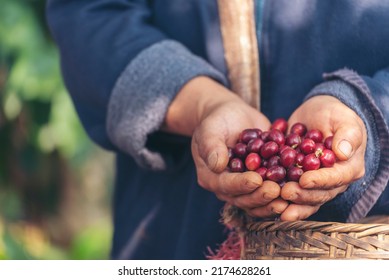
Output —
(369, 98)
(121, 71)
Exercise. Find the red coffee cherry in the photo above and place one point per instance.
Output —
(276, 136)
(294, 173)
(299, 128)
(307, 146)
(255, 145)
(252, 161)
(236, 165)
(280, 124)
(288, 158)
(311, 162)
(262, 171)
(240, 150)
(247, 135)
(293, 140)
(279, 157)
(269, 149)
(315, 135)
(276, 173)
(327, 158)
(328, 142)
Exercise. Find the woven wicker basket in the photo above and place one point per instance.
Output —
(316, 240)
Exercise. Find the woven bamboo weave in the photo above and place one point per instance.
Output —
(315, 240)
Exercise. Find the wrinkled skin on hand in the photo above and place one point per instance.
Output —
(214, 117)
(317, 187)
(219, 128)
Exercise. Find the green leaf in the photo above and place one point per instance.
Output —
(14, 249)
(93, 243)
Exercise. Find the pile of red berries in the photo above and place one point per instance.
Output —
(278, 156)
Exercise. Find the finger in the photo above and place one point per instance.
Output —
(274, 208)
(267, 192)
(295, 212)
(231, 184)
(211, 148)
(291, 191)
(342, 173)
(225, 198)
(348, 136)
(226, 182)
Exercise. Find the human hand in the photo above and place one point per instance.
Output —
(317, 187)
(222, 117)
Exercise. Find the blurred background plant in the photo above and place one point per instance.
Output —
(55, 185)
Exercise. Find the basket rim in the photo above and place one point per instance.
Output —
(324, 227)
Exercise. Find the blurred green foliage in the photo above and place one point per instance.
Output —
(46, 160)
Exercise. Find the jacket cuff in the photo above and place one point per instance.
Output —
(143, 93)
(361, 195)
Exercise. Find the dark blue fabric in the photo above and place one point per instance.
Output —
(186, 220)
(137, 107)
(357, 201)
(300, 41)
(303, 40)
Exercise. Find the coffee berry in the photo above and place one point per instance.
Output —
(280, 156)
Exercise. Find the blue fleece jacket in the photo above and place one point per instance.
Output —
(123, 62)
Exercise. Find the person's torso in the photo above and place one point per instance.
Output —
(299, 41)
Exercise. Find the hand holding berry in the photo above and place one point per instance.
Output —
(222, 117)
(317, 187)
(214, 116)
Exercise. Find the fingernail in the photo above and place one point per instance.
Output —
(292, 197)
(345, 147)
(267, 196)
(212, 160)
(275, 211)
(308, 185)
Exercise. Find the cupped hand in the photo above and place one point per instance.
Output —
(221, 121)
(317, 187)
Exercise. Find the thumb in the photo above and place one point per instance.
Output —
(347, 139)
(216, 154)
(211, 150)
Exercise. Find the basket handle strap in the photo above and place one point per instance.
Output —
(237, 21)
